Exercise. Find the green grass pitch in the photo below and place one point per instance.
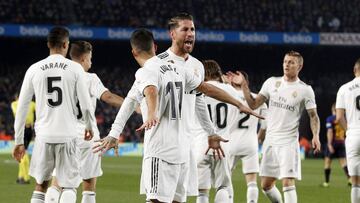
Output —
(120, 183)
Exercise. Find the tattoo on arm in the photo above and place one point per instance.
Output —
(314, 121)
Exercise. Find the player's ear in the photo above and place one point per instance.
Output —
(172, 34)
(48, 45)
(134, 53)
(154, 47)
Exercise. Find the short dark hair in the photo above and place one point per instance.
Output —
(57, 36)
(212, 70)
(78, 48)
(142, 39)
(297, 55)
(358, 61)
(174, 21)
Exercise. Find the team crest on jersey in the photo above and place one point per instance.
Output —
(277, 84)
(294, 94)
(196, 72)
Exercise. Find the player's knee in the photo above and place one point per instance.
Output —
(265, 186)
(89, 184)
(42, 187)
(287, 182)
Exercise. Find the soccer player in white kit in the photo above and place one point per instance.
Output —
(287, 96)
(348, 106)
(214, 172)
(58, 83)
(90, 169)
(166, 149)
(182, 33)
(244, 144)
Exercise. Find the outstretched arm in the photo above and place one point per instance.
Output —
(238, 79)
(112, 99)
(111, 141)
(221, 95)
(315, 129)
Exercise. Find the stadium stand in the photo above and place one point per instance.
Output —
(246, 15)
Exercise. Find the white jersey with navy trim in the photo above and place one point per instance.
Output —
(96, 89)
(166, 140)
(194, 127)
(58, 83)
(348, 98)
(243, 132)
(287, 100)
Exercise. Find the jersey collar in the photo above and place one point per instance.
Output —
(176, 57)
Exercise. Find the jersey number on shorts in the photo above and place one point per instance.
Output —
(221, 123)
(242, 121)
(51, 89)
(170, 89)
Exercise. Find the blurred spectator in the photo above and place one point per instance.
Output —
(246, 15)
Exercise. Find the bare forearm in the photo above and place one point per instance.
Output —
(315, 125)
(249, 99)
(218, 94)
(151, 96)
(329, 136)
(112, 99)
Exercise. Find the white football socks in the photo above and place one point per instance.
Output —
(355, 194)
(222, 196)
(52, 195)
(290, 195)
(203, 197)
(37, 197)
(252, 193)
(88, 197)
(274, 195)
(68, 195)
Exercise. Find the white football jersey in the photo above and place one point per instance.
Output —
(243, 133)
(287, 101)
(58, 83)
(193, 127)
(166, 140)
(348, 98)
(96, 89)
(222, 115)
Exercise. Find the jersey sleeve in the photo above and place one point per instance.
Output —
(309, 98)
(203, 115)
(145, 77)
(265, 88)
(26, 94)
(126, 109)
(329, 122)
(340, 99)
(97, 88)
(83, 95)
(191, 81)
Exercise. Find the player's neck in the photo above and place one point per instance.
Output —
(143, 58)
(290, 78)
(177, 51)
(57, 51)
